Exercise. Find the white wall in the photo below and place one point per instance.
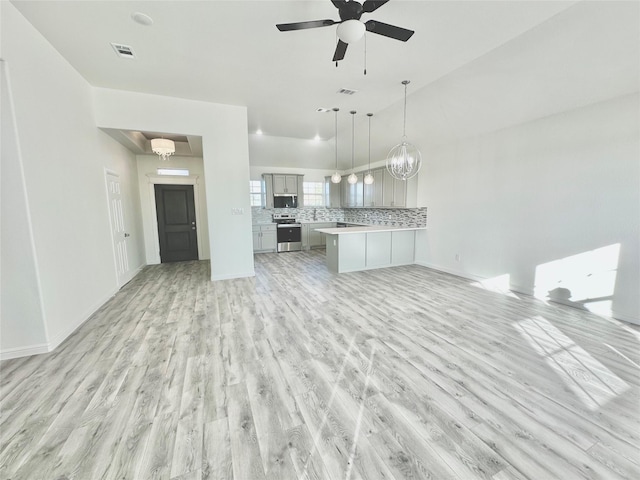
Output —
(64, 192)
(147, 166)
(223, 129)
(554, 189)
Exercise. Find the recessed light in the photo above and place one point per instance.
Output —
(258, 132)
(142, 19)
(317, 138)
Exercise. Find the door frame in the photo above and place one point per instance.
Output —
(154, 180)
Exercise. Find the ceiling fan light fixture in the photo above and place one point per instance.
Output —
(350, 31)
(163, 147)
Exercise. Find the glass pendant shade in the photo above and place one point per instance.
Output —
(368, 178)
(351, 31)
(336, 178)
(353, 178)
(163, 147)
(404, 161)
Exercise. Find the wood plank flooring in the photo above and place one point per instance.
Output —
(398, 373)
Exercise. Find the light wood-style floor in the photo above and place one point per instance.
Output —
(298, 373)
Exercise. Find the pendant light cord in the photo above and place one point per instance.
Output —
(369, 115)
(353, 137)
(336, 137)
(404, 125)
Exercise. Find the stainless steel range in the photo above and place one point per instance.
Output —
(289, 232)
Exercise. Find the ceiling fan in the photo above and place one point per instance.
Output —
(350, 28)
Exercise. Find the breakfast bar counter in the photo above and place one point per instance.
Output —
(352, 249)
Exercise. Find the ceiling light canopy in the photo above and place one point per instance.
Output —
(163, 147)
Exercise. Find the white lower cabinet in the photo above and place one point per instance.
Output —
(265, 238)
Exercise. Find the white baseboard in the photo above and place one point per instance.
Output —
(24, 351)
(60, 337)
(133, 274)
(524, 291)
(231, 276)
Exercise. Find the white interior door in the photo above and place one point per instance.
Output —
(118, 233)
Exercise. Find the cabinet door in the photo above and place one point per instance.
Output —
(269, 239)
(369, 194)
(291, 184)
(279, 184)
(387, 189)
(331, 193)
(344, 193)
(315, 237)
(267, 190)
(378, 181)
(399, 193)
(305, 235)
(358, 191)
(256, 241)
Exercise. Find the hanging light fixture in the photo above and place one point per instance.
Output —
(404, 160)
(368, 178)
(163, 147)
(336, 178)
(353, 178)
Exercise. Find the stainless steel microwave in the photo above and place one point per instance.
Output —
(285, 201)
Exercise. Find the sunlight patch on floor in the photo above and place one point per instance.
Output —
(499, 284)
(592, 382)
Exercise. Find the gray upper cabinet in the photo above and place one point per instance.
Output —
(332, 193)
(285, 184)
(353, 194)
(373, 192)
(394, 192)
(267, 190)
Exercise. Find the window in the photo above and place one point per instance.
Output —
(313, 194)
(255, 192)
(183, 172)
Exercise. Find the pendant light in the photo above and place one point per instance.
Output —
(336, 178)
(404, 160)
(368, 178)
(353, 178)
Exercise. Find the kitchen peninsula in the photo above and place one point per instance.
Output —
(352, 249)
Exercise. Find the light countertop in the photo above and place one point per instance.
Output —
(366, 229)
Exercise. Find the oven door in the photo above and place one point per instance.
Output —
(289, 237)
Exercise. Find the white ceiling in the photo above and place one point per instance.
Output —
(469, 60)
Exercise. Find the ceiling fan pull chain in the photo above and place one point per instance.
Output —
(365, 53)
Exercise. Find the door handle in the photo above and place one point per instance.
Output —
(126, 235)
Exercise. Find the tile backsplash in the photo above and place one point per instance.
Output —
(405, 217)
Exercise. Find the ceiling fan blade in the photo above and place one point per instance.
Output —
(372, 5)
(338, 3)
(390, 31)
(286, 27)
(341, 49)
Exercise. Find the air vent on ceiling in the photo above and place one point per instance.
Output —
(347, 91)
(123, 50)
(323, 110)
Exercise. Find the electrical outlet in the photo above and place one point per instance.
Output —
(457, 257)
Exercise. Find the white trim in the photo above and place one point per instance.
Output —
(155, 179)
(63, 335)
(231, 276)
(24, 351)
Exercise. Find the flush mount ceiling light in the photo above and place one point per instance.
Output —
(353, 178)
(142, 19)
(163, 147)
(336, 178)
(404, 160)
(368, 178)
